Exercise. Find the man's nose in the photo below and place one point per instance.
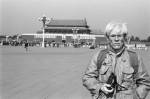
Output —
(116, 38)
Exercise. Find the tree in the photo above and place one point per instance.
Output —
(132, 38)
(148, 38)
(137, 39)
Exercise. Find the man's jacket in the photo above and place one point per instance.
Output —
(137, 86)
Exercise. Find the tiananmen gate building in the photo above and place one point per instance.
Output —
(69, 31)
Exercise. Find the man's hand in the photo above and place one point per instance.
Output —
(106, 88)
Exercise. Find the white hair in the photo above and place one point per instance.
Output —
(117, 27)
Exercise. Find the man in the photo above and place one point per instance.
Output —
(124, 67)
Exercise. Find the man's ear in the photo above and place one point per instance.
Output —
(125, 36)
(107, 36)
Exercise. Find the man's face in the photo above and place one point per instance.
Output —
(116, 40)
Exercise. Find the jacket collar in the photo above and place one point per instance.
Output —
(116, 53)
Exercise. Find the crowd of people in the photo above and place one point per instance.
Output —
(54, 44)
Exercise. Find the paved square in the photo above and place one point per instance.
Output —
(46, 73)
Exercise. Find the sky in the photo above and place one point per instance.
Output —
(21, 16)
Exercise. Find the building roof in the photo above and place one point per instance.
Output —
(79, 28)
(97, 32)
(2, 36)
(39, 31)
(80, 23)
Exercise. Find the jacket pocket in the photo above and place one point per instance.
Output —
(129, 94)
(103, 70)
(128, 77)
(103, 73)
(128, 72)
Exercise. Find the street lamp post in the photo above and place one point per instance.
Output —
(75, 32)
(7, 38)
(18, 37)
(44, 19)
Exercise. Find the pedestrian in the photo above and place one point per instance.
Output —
(26, 45)
(116, 72)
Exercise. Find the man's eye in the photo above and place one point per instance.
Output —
(112, 35)
(119, 35)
